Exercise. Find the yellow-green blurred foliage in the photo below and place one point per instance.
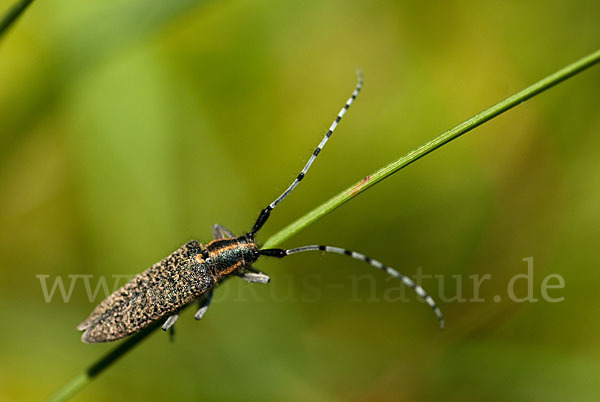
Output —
(129, 127)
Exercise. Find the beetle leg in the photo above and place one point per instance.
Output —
(221, 232)
(170, 321)
(254, 276)
(204, 303)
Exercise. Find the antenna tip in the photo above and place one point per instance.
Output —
(359, 74)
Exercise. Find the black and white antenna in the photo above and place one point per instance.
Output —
(264, 214)
(276, 252)
(374, 263)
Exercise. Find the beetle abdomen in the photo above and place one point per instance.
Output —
(156, 293)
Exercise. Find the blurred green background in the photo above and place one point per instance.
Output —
(129, 127)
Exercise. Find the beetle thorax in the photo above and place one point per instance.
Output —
(227, 256)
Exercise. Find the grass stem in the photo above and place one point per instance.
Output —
(84, 378)
(12, 15)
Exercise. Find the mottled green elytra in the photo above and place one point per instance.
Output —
(193, 271)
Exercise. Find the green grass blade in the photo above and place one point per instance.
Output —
(431, 146)
(82, 379)
(12, 15)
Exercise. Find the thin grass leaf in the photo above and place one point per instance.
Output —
(81, 380)
(12, 15)
(431, 146)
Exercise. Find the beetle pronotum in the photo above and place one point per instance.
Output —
(193, 271)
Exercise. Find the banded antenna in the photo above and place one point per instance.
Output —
(276, 252)
(264, 214)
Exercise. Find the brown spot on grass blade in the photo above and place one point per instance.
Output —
(358, 186)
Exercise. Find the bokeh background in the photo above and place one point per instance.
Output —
(129, 127)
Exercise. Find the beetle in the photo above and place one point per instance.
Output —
(193, 271)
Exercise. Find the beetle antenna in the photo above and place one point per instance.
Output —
(374, 263)
(264, 214)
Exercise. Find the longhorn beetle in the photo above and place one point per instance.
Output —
(193, 271)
